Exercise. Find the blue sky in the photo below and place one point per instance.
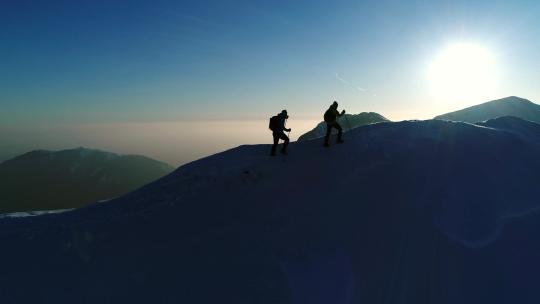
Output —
(154, 61)
(174, 60)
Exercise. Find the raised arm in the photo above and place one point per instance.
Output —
(283, 127)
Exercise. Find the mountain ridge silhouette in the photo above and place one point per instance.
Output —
(46, 180)
(508, 106)
(348, 122)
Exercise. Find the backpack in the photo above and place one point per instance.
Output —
(274, 123)
(329, 116)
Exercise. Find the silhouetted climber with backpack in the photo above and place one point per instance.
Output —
(277, 125)
(330, 117)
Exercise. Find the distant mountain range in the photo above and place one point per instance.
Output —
(46, 180)
(509, 106)
(512, 106)
(347, 122)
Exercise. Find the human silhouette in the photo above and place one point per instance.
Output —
(330, 117)
(277, 125)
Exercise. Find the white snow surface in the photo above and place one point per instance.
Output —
(408, 212)
(32, 213)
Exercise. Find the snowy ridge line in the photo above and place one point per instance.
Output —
(111, 216)
(32, 213)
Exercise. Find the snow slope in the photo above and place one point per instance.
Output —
(407, 212)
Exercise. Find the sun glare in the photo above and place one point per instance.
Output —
(463, 73)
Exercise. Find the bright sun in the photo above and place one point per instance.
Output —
(463, 73)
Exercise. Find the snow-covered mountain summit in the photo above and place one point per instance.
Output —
(509, 106)
(347, 122)
(408, 212)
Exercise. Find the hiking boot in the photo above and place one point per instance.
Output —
(340, 141)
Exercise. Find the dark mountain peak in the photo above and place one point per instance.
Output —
(348, 122)
(79, 152)
(508, 106)
(37, 152)
(108, 155)
(511, 99)
(44, 180)
(85, 152)
(372, 114)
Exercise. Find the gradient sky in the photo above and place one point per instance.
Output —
(102, 63)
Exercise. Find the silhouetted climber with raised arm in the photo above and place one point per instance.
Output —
(277, 125)
(330, 117)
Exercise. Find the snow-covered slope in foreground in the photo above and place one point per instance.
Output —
(408, 212)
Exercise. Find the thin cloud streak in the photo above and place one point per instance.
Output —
(349, 84)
